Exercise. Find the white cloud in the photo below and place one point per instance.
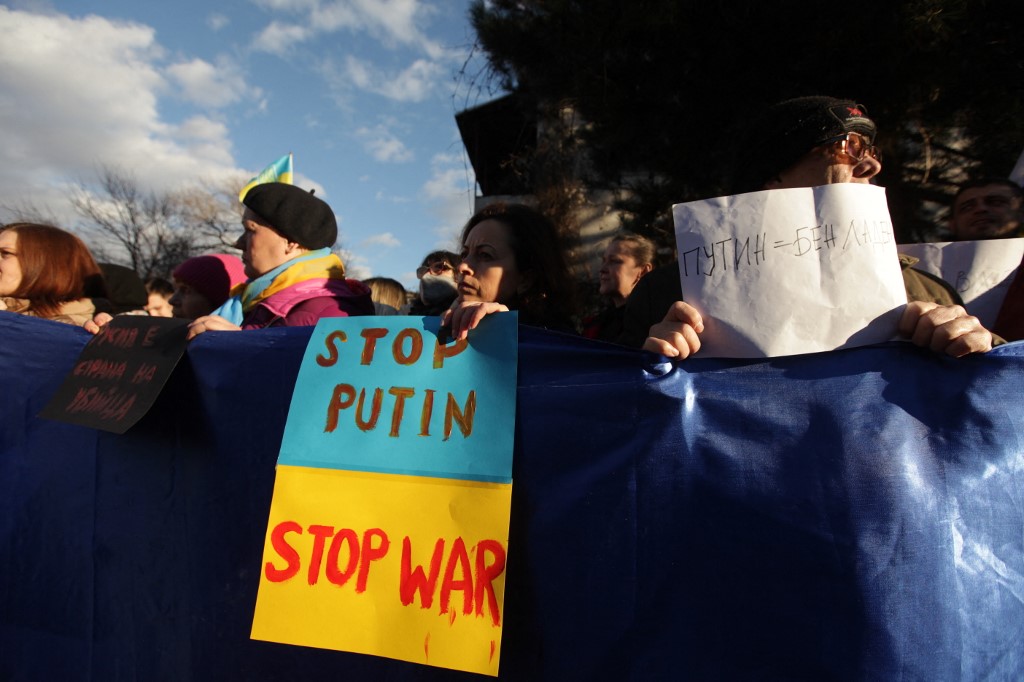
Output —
(217, 21)
(392, 22)
(414, 84)
(385, 239)
(211, 86)
(278, 38)
(451, 192)
(356, 266)
(76, 94)
(383, 145)
(306, 183)
(288, 5)
(391, 198)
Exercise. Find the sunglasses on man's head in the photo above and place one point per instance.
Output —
(434, 269)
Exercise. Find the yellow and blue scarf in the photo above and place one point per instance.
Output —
(315, 265)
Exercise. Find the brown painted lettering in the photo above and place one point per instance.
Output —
(333, 352)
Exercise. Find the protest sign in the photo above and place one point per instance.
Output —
(388, 529)
(980, 271)
(119, 373)
(790, 271)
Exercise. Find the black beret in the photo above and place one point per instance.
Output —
(777, 138)
(295, 213)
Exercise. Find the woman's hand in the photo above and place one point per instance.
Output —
(210, 323)
(466, 315)
(99, 321)
(676, 335)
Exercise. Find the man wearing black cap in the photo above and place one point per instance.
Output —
(294, 279)
(804, 142)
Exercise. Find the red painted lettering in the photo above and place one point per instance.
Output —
(369, 554)
(285, 551)
(150, 338)
(320, 535)
(122, 338)
(486, 574)
(334, 572)
(413, 580)
(144, 373)
(458, 559)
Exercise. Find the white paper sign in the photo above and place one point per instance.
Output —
(980, 271)
(790, 271)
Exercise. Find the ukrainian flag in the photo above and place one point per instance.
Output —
(279, 171)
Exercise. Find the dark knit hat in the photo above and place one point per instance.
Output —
(295, 213)
(125, 290)
(781, 135)
(213, 276)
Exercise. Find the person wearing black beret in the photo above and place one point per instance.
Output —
(294, 278)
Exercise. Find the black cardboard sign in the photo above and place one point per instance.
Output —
(119, 373)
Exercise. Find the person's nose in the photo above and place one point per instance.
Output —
(240, 242)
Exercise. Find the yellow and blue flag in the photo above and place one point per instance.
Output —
(279, 171)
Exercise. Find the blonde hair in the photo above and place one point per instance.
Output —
(387, 291)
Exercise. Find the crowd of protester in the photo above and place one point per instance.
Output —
(512, 259)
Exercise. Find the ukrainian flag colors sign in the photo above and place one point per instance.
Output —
(388, 530)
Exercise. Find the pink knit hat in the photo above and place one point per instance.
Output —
(212, 276)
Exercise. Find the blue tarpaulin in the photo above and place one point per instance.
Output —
(849, 515)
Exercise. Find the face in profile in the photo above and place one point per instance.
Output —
(619, 272)
(158, 306)
(263, 247)
(10, 266)
(187, 303)
(828, 164)
(989, 212)
(488, 271)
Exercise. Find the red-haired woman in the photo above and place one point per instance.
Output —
(47, 272)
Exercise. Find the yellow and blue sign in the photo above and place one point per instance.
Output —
(388, 531)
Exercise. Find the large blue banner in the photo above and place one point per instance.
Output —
(849, 515)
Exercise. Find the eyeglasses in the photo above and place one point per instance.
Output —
(433, 268)
(856, 146)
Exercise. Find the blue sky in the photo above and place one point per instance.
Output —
(363, 92)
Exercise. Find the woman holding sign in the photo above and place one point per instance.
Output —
(512, 259)
(49, 273)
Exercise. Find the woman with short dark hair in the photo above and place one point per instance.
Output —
(512, 259)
